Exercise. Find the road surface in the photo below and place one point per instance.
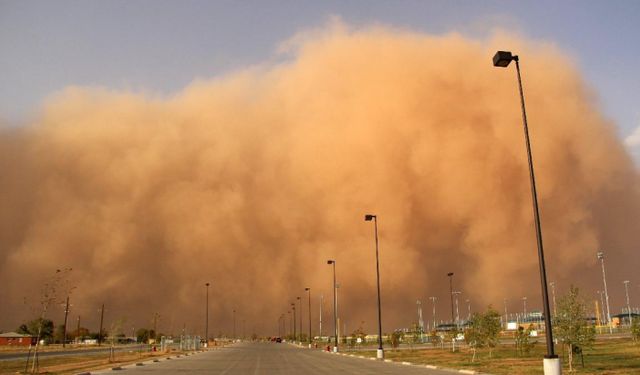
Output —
(274, 358)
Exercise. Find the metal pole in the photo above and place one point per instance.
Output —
(295, 322)
(600, 255)
(457, 310)
(536, 215)
(234, 324)
(66, 313)
(335, 308)
(206, 324)
(626, 291)
(524, 308)
(101, 321)
(300, 318)
(433, 302)
(602, 306)
(78, 337)
(309, 294)
(450, 274)
(321, 305)
(380, 353)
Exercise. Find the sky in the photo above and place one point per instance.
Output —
(161, 46)
(246, 140)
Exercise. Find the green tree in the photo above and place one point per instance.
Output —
(571, 325)
(33, 327)
(635, 329)
(484, 331)
(396, 338)
(523, 340)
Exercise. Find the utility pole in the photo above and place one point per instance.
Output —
(66, 314)
(101, 321)
(78, 337)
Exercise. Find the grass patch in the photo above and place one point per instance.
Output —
(611, 357)
(74, 364)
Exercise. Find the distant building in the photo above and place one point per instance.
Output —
(16, 339)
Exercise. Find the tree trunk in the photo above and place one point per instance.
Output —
(570, 358)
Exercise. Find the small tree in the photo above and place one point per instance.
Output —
(474, 336)
(484, 331)
(570, 324)
(396, 338)
(523, 340)
(492, 327)
(635, 329)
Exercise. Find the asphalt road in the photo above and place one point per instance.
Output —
(273, 358)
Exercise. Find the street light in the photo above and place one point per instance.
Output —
(380, 352)
(450, 274)
(308, 290)
(457, 309)
(603, 316)
(206, 324)
(524, 308)
(551, 362)
(295, 333)
(626, 291)
(335, 307)
(300, 318)
(234, 325)
(600, 256)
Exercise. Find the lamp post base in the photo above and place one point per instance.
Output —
(552, 366)
(335, 349)
(380, 354)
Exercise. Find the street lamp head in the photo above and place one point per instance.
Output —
(503, 58)
(600, 255)
(450, 274)
(297, 297)
(207, 284)
(307, 289)
(369, 217)
(331, 261)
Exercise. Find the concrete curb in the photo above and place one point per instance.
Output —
(138, 364)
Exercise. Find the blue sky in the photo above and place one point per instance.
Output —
(161, 46)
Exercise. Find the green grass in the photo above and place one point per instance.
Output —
(607, 357)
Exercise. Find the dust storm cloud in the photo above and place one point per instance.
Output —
(252, 180)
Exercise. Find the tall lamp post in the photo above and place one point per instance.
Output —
(450, 274)
(300, 318)
(308, 290)
(380, 352)
(295, 332)
(551, 362)
(626, 292)
(335, 307)
(206, 320)
(600, 256)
